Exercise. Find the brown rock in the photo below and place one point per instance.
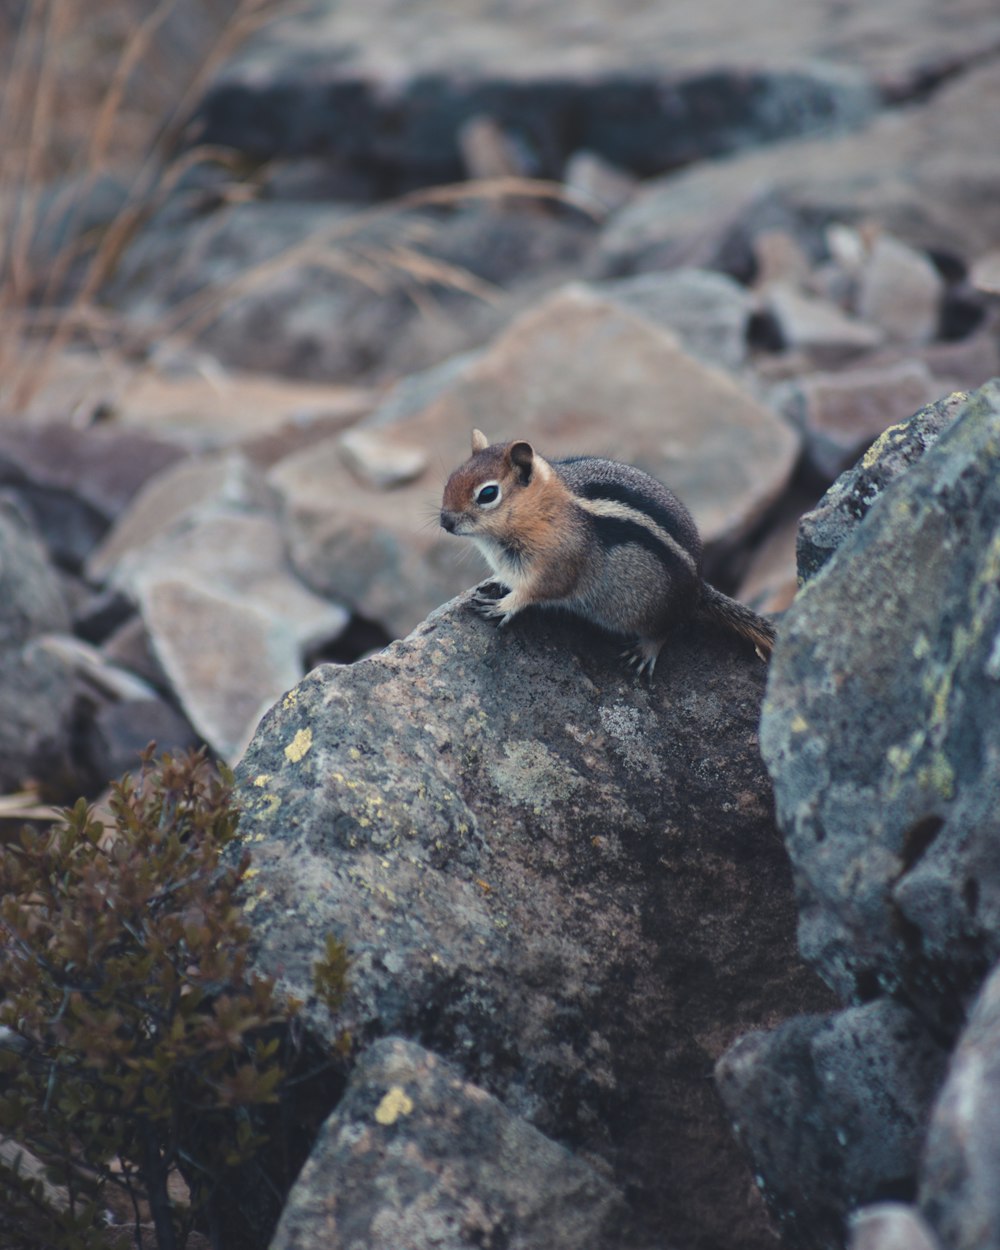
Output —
(840, 414)
(900, 291)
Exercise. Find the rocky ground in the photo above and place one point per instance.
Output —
(733, 248)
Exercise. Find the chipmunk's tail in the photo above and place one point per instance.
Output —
(737, 618)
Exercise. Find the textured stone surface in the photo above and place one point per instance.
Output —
(892, 829)
(832, 1111)
(563, 881)
(415, 1156)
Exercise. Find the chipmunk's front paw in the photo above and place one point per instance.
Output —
(490, 606)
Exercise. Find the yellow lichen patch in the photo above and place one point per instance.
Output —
(290, 699)
(300, 745)
(799, 724)
(262, 779)
(395, 1103)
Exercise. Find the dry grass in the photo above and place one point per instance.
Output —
(92, 89)
(98, 90)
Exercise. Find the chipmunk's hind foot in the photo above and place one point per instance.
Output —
(642, 656)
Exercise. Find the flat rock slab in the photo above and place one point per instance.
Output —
(561, 880)
(416, 1157)
(647, 86)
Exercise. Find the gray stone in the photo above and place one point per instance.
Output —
(563, 881)
(708, 312)
(416, 1156)
(846, 503)
(890, 1226)
(488, 152)
(76, 482)
(900, 291)
(840, 414)
(832, 1112)
(958, 1187)
(985, 272)
(818, 328)
(891, 829)
(379, 460)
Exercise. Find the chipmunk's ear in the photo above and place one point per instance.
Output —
(479, 441)
(522, 457)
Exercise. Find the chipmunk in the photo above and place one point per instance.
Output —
(599, 538)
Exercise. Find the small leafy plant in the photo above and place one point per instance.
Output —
(145, 1046)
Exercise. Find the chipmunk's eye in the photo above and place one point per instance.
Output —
(488, 494)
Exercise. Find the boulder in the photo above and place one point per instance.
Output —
(832, 1110)
(332, 294)
(900, 291)
(563, 881)
(891, 1226)
(892, 829)
(416, 1156)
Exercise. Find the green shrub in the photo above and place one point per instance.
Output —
(147, 1044)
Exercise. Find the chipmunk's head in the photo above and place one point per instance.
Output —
(484, 496)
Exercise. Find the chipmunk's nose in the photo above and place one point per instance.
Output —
(448, 520)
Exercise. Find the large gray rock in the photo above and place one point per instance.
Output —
(891, 824)
(415, 1156)
(832, 1111)
(563, 881)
